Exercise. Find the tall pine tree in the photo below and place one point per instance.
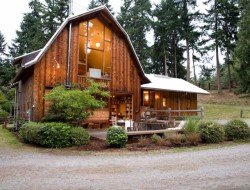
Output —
(167, 52)
(38, 25)
(135, 17)
(97, 3)
(6, 68)
(187, 28)
(242, 51)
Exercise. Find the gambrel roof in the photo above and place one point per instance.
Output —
(103, 10)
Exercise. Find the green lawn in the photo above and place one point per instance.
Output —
(7, 138)
(218, 111)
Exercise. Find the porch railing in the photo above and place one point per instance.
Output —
(82, 81)
(160, 119)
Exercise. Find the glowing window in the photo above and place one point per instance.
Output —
(164, 102)
(94, 48)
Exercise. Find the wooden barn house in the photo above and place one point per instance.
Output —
(94, 45)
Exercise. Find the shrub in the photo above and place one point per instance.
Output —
(143, 141)
(158, 140)
(211, 132)
(237, 130)
(32, 132)
(193, 138)
(191, 126)
(176, 139)
(56, 135)
(116, 137)
(79, 136)
(75, 105)
(52, 135)
(155, 137)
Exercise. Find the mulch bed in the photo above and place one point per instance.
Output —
(94, 145)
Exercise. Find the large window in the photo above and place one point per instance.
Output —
(94, 49)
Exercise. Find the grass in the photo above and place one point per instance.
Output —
(218, 111)
(7, 138)
(226, 105)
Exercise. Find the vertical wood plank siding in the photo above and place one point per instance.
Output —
(26, 96)
(188, 101)
(125, 73)
(51, 70)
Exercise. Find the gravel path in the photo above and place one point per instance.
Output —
(219, 168)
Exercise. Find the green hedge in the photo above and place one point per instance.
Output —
(237, 130)
(116, 137)
(53, 135)
(211, 132)
(79, 136)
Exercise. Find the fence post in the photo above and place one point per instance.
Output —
(241, 113)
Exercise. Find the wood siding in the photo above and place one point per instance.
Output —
(125, 78)
(176, 101)
(25, 97)
(51, 70)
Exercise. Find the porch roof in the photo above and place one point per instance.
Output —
(165, 83)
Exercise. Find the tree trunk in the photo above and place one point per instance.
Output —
(175, 58)
(195, 79)
(217, 50)
(188, 60)
(229, 72)
(165, 67)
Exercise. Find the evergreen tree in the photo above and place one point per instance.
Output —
(168, 54)
(242, 51)
(229, 18)
(54, 13)
(6, 68)
(97, 3)
(135, 17)
(38, 25)
(30, 37)
(222, 19)
(188, 33)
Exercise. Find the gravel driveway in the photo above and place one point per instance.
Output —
(219, 168)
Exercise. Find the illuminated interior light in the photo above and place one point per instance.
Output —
(98, 44)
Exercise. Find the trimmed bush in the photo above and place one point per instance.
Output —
(116, 137)
(237, 130)
(79, 136)
(56, 135)
(32, 132)
(53, 135)
(211, 132)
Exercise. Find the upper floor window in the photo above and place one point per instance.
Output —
(94, 49)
